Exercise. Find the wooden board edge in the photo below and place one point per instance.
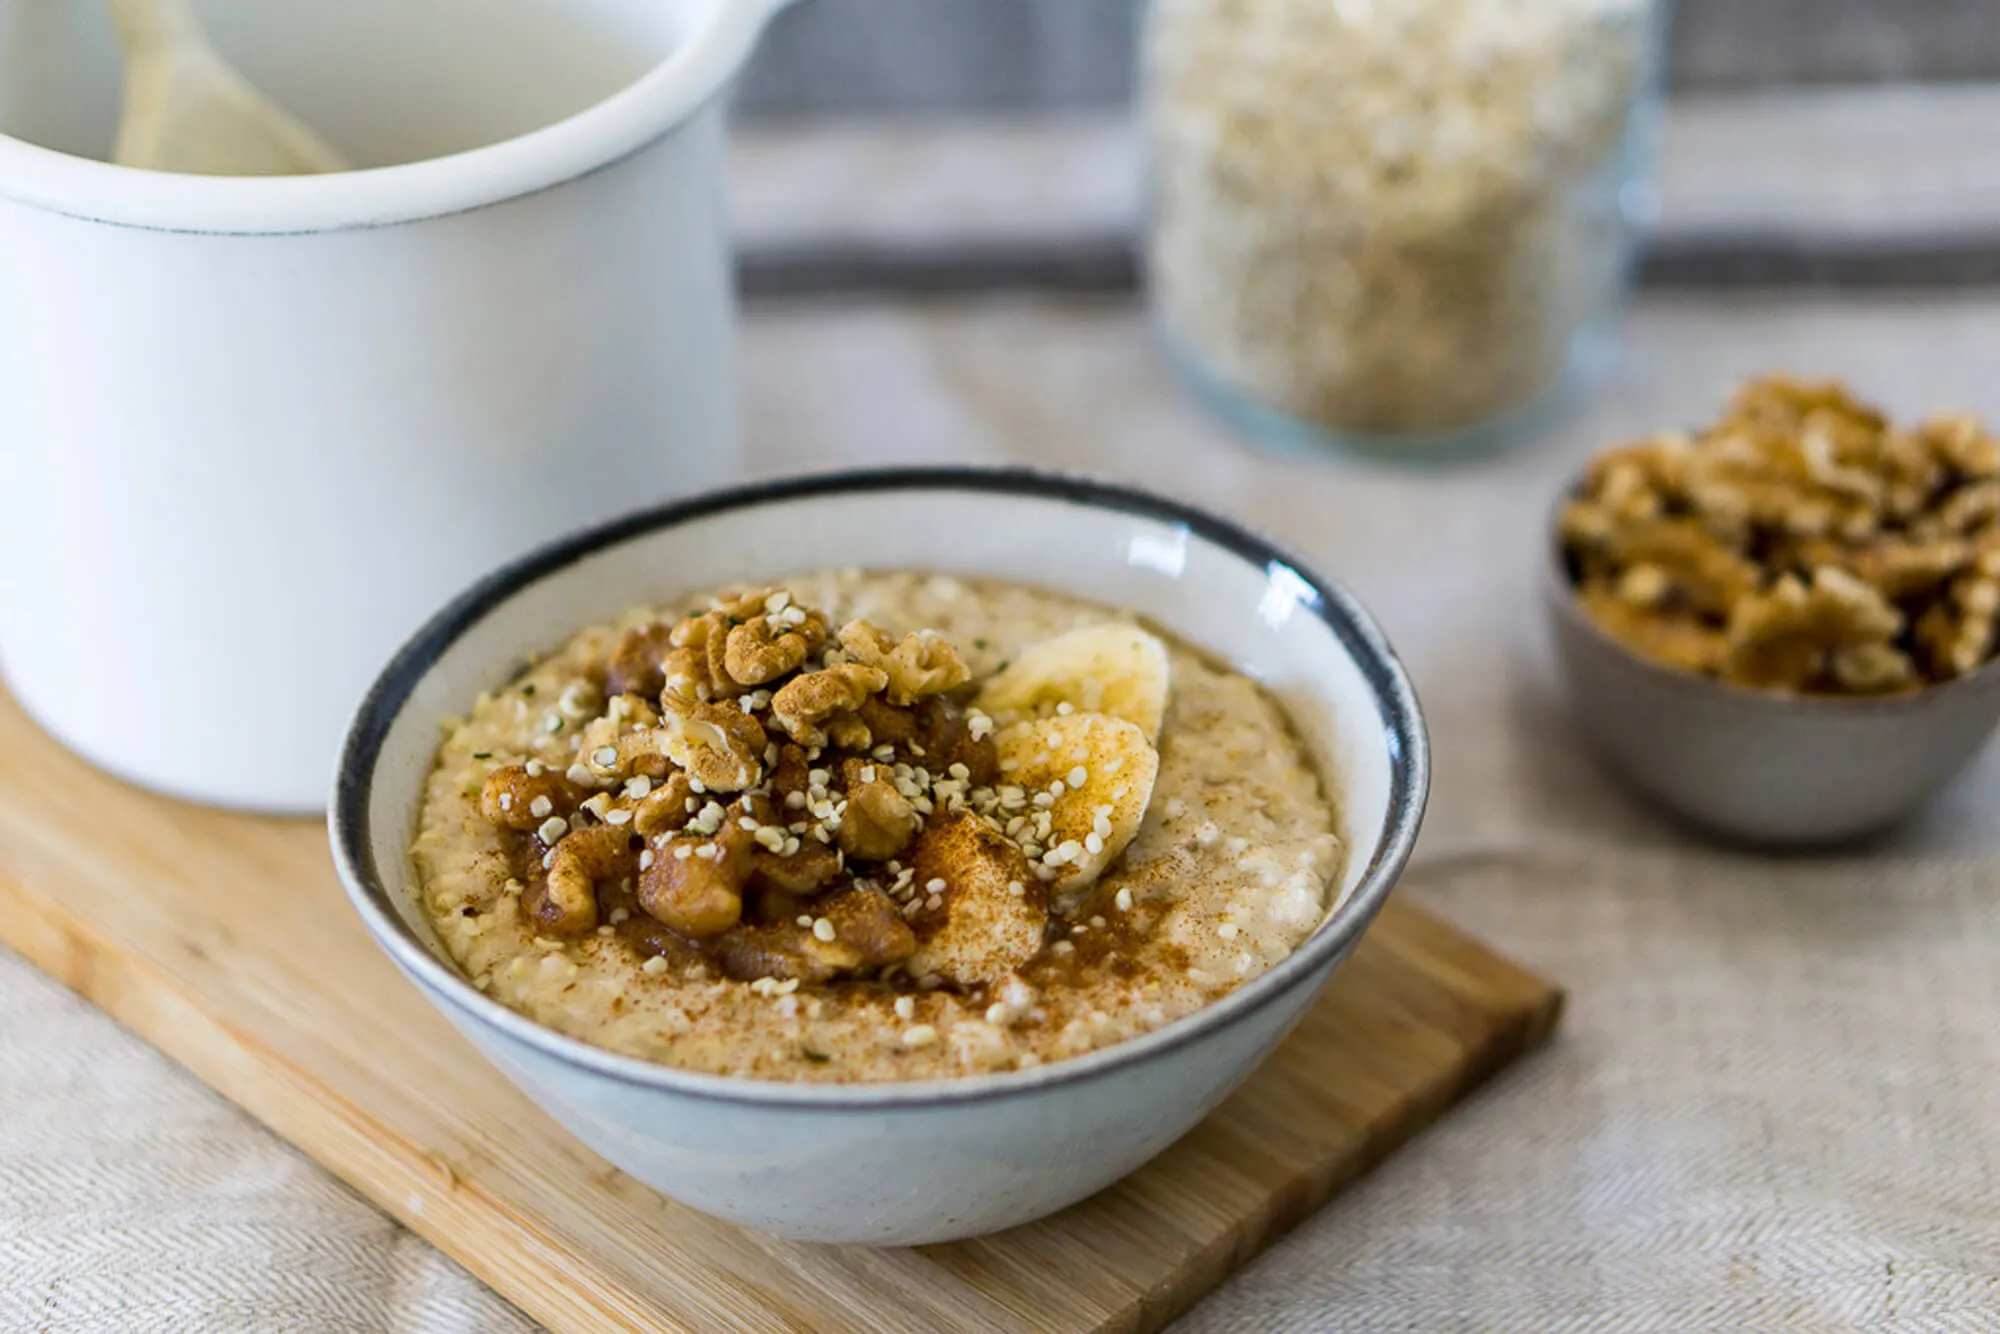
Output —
(148, 1002)
(1450, 941)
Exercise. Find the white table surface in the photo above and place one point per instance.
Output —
(1771, 1105)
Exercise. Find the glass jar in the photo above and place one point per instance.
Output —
(1393, 224)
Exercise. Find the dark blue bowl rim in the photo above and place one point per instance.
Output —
(1404, 735)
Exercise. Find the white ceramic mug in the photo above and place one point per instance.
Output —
(253, 430)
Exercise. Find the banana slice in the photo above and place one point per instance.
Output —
(1097, 773)
(1110, 668)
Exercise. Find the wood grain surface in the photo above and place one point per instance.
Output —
(225, 941)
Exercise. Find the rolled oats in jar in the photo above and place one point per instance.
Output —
(1391, 221)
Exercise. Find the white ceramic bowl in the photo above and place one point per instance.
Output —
(921, 1161)
(515, 320)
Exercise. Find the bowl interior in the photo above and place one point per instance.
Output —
(387, 81)
(1203, 580)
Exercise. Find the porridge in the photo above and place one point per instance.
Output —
(940, 827)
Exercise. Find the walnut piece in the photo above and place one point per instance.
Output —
(887, 724)
(800, 872)
(703, 657)
(1896, 566)
(791, 774)
(847, 731)
(699, 895)
(564, 902)
(862, 930)
(1678, 640)
(867, 928)
(948, 739)
(922, 664)
(865, 642)
(1780, 639)
(720, 746)
(879, 821)
(684, 671)
(775, 640)
(515, 799)
(1801, 543)
(1873, 668)
(635, 664)
(1958, 633)
(1960, 441)
(785, 951)
(804, 704)
(1703, 571)
(665, 807)
(1969, 510)
(755, 653)
(618, 744)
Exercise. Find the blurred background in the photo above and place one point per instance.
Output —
(1045, 55)
(963, 144)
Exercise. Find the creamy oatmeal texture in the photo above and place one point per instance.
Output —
(888, 841)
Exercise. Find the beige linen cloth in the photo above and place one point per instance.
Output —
(1775, 1103)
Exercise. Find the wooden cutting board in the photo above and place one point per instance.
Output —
(225, 941)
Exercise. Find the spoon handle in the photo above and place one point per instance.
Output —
(153, 24)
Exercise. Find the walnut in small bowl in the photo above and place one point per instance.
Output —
(1783, 625)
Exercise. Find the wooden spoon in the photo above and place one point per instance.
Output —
(188, 110)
